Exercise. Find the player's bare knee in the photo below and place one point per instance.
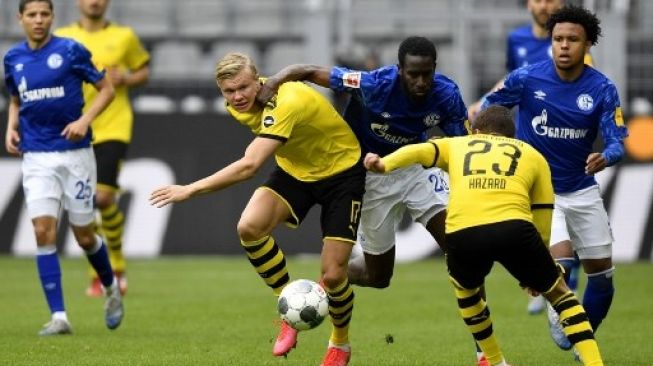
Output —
(334, 277)
(592, 266)
(562, 249)
(44, 234)
(85, 237)
(104, 200)
(249, 231)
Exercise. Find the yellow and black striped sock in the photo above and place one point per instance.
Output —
(113, 224)
(341, 305)
(269, 261)
(577, 328)
(476, 316)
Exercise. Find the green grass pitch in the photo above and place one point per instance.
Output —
(216, 311)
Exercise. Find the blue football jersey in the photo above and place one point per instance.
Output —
(525, 49)
(562, 119)
(385, 119)
(48, 82)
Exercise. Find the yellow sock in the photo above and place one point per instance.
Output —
(269, 262)
(113, 224)
(476, 315)
(577, 328)
(341, 305)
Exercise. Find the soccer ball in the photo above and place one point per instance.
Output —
(303, 304)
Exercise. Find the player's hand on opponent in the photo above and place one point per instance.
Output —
(75, 131)
(267, 91)
(169, 194)
(595, 163)
(11, 142)
(374, 163)
(473, 110)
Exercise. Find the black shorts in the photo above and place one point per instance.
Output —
(109, 156)
(516, 244)
(340, 196)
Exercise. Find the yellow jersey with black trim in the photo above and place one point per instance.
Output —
(112, 46)
(493, 179)
(317, 142)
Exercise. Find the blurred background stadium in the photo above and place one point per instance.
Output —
(182, 133)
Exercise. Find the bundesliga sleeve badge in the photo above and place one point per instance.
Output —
(352, 80)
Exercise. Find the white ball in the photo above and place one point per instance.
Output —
(303, 304)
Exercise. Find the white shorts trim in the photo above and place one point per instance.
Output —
(44, 207)
(61, 179)
(422, 193)
(581, 217)
(598, 252)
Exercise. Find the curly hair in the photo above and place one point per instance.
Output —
(577, 15)
(417, 46)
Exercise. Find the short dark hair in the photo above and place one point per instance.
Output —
(577, 15)
(418, 46)
(23, 3)
(495, 119)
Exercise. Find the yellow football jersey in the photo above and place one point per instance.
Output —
(112, 46)
(318, 143)
(492, 179)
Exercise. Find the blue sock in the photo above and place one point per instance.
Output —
(574, 275)
(49, 270)
(598, 296)
(99, 259)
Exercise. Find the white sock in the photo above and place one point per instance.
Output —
(114, 287)
(46, 249)
(345, 346)
(60, 315)
(479, 355)
(96, 247)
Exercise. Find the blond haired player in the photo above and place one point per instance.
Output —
(318, 163)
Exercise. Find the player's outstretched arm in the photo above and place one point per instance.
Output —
(12, 137)
(169, 194)
(242, 169)
(300, 72)
(422, 153)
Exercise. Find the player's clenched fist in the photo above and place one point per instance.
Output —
(374, 163)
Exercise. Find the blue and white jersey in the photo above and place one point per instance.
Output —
(525, 49)
(48, 82)
(385, 119)
(562, 119)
